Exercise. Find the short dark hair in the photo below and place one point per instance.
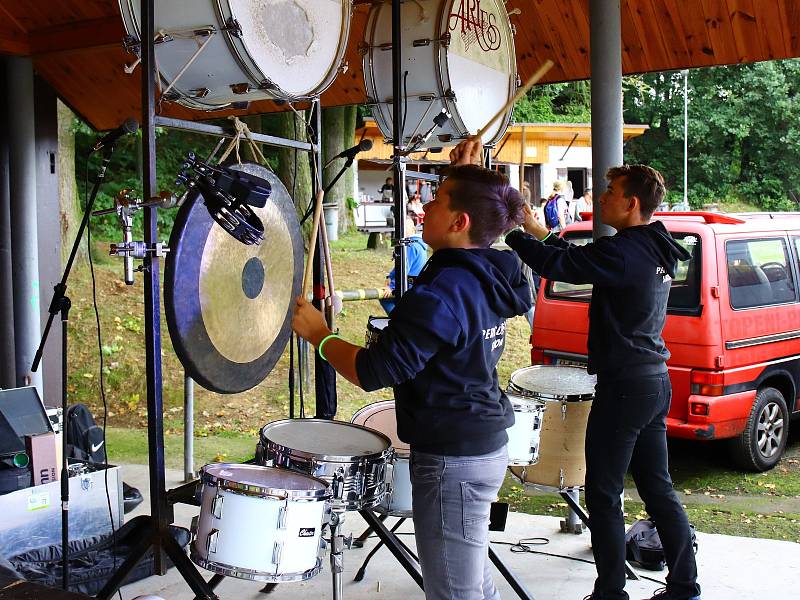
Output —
(487, 197)
(644, 182)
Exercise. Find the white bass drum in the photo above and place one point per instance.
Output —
(254, 49)
(459, 55)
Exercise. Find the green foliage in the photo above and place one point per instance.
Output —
(744, 131)
(555, 103)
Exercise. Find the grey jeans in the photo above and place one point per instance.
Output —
(451, 497)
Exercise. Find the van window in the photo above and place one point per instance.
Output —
(759, 273)
(684, 296)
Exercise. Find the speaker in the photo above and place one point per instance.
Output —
(21, 413)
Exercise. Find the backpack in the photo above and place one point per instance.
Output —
(643, 545)
(84, 437)
(551, 212)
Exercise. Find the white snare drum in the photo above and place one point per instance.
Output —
(568, 393)
(459, 56)
(254, 49)
(374, 327)
(350, 458)
(524, 436)
(260, 523)
(381, 416)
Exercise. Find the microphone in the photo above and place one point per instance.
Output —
(350, 153)
(129, 126)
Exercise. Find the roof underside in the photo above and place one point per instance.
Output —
(76, 46)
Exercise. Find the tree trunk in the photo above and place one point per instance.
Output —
(293, 169)
(345, 212)
(333, 124)
(69, 207)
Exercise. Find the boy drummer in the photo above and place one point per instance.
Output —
(440, 353)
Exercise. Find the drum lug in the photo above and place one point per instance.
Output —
(277, 550)
(232, 26)
(240, 88)
(162, 37)
(267, 85)
(211, 541)
(563, 411)
(216, 506)
(363, 48)
(199, 92)
(561, 479)
(344, 67)
(282, 513)
(421, 43)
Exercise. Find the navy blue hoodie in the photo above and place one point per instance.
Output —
(441, 348)
(631, 273)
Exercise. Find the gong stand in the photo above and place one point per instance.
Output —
(152, 532)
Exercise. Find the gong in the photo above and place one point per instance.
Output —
(227, 304)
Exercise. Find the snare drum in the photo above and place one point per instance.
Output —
(260, 523)
(457, 57)
(350, 458)
(381, 416)
(524, 436)
(568, 393)
(374, 327)
(254, 49)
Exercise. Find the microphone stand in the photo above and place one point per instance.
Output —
(61, 304)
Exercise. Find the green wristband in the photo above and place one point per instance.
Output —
(322, 343)
(549, 233)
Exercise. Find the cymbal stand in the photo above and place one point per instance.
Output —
(338, 543)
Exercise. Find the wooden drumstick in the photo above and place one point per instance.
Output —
(546, 66)
(312, 245)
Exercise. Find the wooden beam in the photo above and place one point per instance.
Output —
(77, 36)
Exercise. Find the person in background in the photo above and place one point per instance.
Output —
(583, 204)
(425, 194)
(415, 206)
(416, 257)
(555, 210)
(387, 189)
(631, 273)
(526, 193)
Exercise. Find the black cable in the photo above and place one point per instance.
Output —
(405, 108)
(102, 375)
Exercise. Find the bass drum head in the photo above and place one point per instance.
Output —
(227, 304)
(296, 45)
(481, 65)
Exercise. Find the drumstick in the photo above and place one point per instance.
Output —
(312, 247)
(546, 66)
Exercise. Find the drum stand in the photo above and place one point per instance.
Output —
(338, 542)
(411, 563)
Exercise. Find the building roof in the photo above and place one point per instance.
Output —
(76, 45)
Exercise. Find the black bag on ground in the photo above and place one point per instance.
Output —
(92, 561)
(643, 545)
(84, 436)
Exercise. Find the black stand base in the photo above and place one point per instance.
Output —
(409, 561)
(584, 517)
(151, 537)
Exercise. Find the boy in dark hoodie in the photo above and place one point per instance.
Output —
(631, 274)
(440, 352)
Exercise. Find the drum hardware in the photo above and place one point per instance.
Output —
(226, 195)
(417, 141)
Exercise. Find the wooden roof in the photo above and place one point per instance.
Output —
(76, 45)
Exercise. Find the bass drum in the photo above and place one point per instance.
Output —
(229, 305)
(254, 49)
(459, 56)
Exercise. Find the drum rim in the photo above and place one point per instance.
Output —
(406, 454)
(260, 491)
(331, 458)
(251, 574)
(517, 390)
(530, 404)
(257, 75)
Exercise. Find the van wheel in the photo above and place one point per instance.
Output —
(760, 446)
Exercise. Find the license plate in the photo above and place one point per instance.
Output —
(570, 363)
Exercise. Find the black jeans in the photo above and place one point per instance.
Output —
(627, 428)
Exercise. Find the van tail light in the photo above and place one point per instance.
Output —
(538, 357)
(707, 383)
(699, 409)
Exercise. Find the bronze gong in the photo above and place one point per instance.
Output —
(228, 305)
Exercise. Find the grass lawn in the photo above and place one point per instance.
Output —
(227, 426)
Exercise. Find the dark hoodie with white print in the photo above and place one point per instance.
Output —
(441, 348)
(631, 273)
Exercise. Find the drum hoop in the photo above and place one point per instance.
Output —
(366, 66)
(528, 404)
(260, 491)
(241, 53)
(252, 574)
(531, 395)
(443, 75)
(375, 457)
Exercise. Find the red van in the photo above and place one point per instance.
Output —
(733, 328)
